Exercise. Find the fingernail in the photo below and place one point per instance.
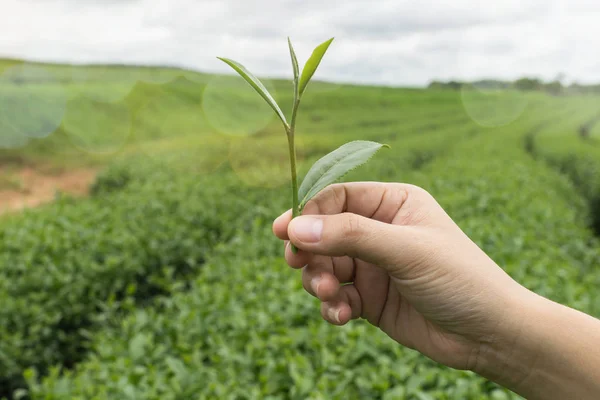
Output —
(314, 284)
(307, 229)
(334, 314)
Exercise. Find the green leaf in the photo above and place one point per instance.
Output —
(335, 165)
(311, 65)
(257, 85)
(294, 65)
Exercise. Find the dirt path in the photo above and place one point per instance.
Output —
(33, 187)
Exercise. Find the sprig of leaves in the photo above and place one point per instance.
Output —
(333, 166)
(257, 85)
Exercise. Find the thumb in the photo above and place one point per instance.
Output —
(355, 236)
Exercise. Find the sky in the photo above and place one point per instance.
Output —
(390, 42)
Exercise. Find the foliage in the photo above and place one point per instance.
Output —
(247, 330)
(69, 267)
(331, 167)
(168, 284)
(563, 147)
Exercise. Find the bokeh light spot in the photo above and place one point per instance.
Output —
(262, 160)
(172, 126)
(95, 126)
(232, 107)
(32, 104)
(493, 107)
(103, 83)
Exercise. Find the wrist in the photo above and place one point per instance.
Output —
(508, 356)
(544, 351)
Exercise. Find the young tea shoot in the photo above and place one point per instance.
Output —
(334, 165)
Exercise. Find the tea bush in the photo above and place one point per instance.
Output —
(167, 282)
(246, 329)
(562, 147)
(68, 267)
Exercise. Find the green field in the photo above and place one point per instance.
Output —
(167, 283)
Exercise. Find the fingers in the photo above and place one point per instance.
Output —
(296, 260)
(347, 306)
(322, 278)
(376, 200)
(355, 236)
(377, 223)
(323, 275)
(280, 225)
(320, 283)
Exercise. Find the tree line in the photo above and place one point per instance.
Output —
(554, 87)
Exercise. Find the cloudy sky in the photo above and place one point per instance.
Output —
(398, 42)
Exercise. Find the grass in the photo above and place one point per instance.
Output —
(167, 282)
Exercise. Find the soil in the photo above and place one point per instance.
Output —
(36, 188)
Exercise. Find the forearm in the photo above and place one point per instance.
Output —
(547, 351)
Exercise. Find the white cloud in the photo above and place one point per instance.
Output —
(388, 41)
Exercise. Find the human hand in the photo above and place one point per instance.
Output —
(388, 253)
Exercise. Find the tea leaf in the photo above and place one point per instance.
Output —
(335, 165)
(294, 65)
(311, 65)
(257, 85)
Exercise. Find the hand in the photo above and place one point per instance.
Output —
(389, 253)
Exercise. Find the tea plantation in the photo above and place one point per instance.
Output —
(167, 283)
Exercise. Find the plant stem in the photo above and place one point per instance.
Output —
(292, 150)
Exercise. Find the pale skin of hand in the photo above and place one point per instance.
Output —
(389, 253)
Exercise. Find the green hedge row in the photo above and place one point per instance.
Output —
(246, 329)
(562, 147)
(69, 266)
(66, 268)
(529, 217)
(137, 174)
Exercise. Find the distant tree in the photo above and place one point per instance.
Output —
(576, 88)
(455, 85)
(554, 88)
(491, 84)
(436, 85)
(528, 84)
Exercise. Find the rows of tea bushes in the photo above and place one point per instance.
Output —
(134, 180)
(245, 328)
(563, 148)
(73, 266)
(529, 217)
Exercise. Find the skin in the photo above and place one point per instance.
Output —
(388, 253)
